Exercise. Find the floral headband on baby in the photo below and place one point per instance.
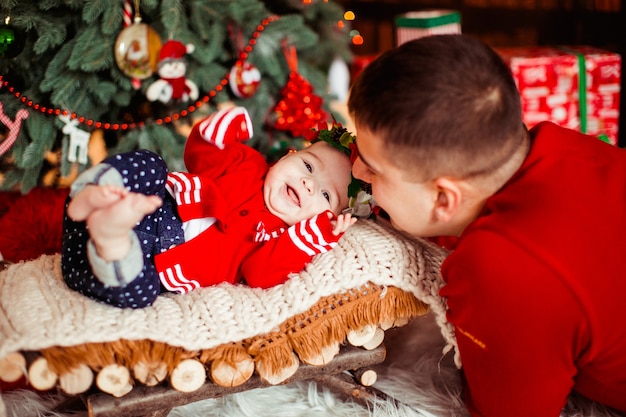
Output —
(361, 202)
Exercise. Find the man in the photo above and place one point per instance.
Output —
(534, 285)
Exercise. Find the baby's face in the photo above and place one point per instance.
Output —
(308, 182)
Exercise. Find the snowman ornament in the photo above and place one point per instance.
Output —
(172, 85)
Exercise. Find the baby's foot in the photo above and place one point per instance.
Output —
(109, 226)
(93, 197)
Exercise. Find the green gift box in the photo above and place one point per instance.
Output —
(413, 25)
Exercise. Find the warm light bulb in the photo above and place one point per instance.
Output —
(349, 15)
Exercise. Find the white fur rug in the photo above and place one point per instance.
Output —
(414, 373)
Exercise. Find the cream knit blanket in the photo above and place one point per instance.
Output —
(38, 311)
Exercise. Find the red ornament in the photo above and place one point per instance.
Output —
(244, 79)
(137, 50)
(299, 109)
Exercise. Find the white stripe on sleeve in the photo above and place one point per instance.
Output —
(185, 188)
(309, 240)
(174, 280)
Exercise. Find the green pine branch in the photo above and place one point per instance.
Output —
(68, 63)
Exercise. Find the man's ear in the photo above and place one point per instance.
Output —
(448, 199)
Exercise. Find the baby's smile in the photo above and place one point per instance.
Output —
(292, 195)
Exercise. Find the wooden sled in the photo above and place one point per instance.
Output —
(326, 323)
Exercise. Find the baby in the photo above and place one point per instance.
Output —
(132, 229)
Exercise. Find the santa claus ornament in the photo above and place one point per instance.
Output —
(244, 79)
(172, 67)
(136, 49)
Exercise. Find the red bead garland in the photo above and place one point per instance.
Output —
(165, 120)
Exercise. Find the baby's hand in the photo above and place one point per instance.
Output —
(342, 222)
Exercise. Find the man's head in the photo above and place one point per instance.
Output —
(438, 120)
(308, 182)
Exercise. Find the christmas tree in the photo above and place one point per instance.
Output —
(71, 83)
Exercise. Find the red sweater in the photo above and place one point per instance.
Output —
(535, 286)
(246, 241)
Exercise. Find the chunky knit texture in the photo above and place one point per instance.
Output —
(38, 311)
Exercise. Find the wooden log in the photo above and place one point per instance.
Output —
(12, 367)
(366, 377)
(114, 379)
(142, 400)
(401, 321)
(346, 389)
(77, 381)
(150, 373)
(387, 324)
(224, 374)
(188, 375)
(40, 376)
(358, 337)
(394, 322)
(376, 340)
(152, 362)
(325, 356)
(289, 367)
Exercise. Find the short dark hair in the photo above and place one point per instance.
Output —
(443, 105)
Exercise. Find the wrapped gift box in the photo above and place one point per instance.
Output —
(413, 25)
(574, 86)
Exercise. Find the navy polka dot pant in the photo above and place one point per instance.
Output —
(142, 172)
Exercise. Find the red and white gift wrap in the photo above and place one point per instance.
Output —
(573, 86)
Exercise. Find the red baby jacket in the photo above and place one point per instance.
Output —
(535, 286)
(247, 242)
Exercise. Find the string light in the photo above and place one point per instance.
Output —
(355, 36)
(164, 120)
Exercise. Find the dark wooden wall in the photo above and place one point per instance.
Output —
(600, 23)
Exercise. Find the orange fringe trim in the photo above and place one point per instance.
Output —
(326, 323)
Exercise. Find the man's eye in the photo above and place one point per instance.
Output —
(326, 195)
(308, 166)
